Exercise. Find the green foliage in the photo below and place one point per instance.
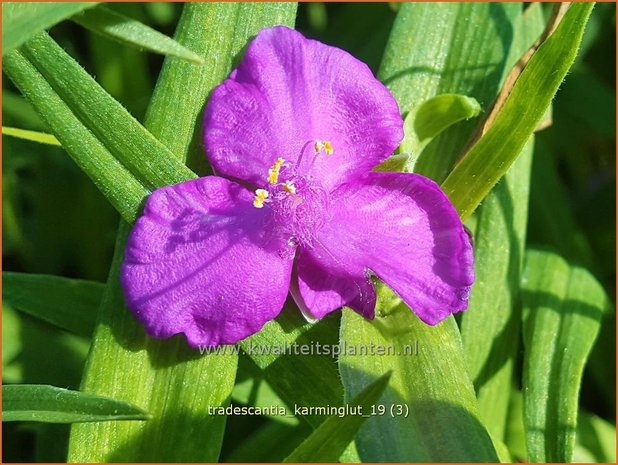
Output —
(438, 113)
(433, 50)
(489, 159)
(329, 440)
(46, 297)
(563, 308)
(129, 31)
(428, 368)
(491, 327)
(123, 191)
(50, 404)
(455, 395)
(33, 136)
(426, 122)
(22, 20)
(596, 439)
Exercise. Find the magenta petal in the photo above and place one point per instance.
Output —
(323, 289)
(290, 91)
(201, 261)
(404, 229)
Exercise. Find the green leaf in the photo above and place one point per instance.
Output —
(563, 306)
(426, 122)
(271, 443)
(34, 136)
(22, 20)
(120, 187)
(490, 328)
(595, 437)
(488, 160)
(301, 372)
(187, 86)
(111, 24)
(18, 110)
(257, 392)
(146, 158)
(515, 434)
(175, 384)
(330, 439)
(429, 378)
(11, 335)
(435, 115)
(442, 111)
(50, 404)
(70, 304)
(433, 50)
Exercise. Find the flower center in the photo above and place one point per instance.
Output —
(298, 203)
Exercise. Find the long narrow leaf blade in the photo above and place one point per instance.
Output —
(120, 187)
(50, 404)
(491, 326)
(138, 150)
(111, 24)
(434, 50)
(70, 304)
(563, 308)
(330, 439)
(491, 156)
(302, 372)
(22, 20)
(34, 136)
(429, 377)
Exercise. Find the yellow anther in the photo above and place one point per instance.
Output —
(323, 145)
(273, 171)
(260, 196)
(289, 187)
(328, 147)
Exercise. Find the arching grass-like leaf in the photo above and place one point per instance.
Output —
(111, 24)
(22, 20)
(146, 158)
(426, 122)
(563, 308)
(50, 404)
(34, 136)
(330, 439)
(488, 160)
(429, 377)
(118, 185)
(70, 304)
(491, 326)
(431, 51)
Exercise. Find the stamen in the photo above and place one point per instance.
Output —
(328, 147)
(260, 197)
(288, 186)
(273, 171)
(323, 145)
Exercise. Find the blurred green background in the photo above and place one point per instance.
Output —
(55, 221)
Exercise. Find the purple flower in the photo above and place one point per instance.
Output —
(293, 135)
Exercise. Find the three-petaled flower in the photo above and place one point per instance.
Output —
(293, 135)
